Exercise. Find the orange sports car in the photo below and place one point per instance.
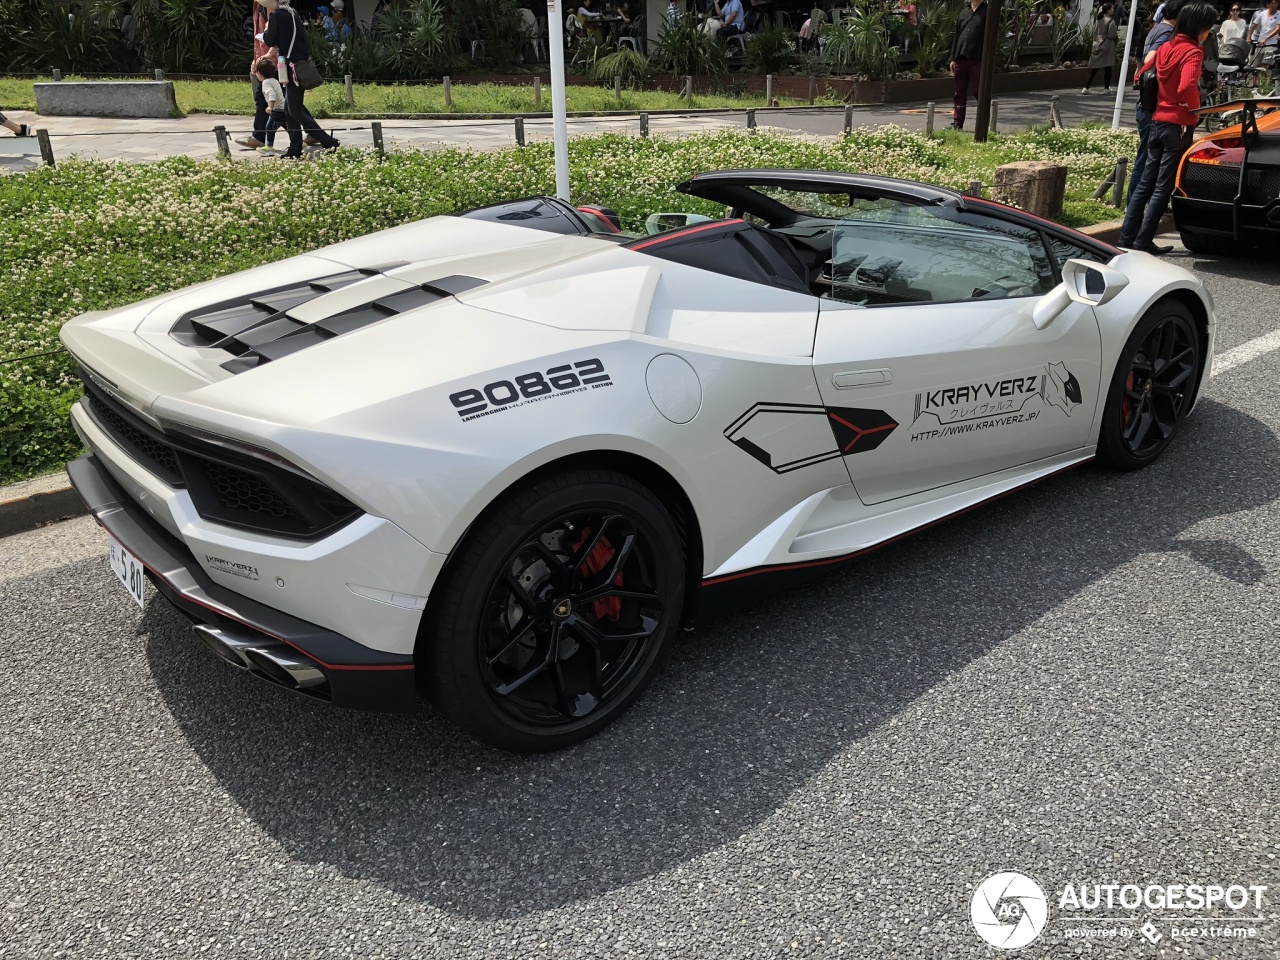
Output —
(1227, 194)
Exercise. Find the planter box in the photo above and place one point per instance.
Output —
(106, 98)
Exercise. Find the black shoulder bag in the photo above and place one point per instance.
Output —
(304, 71)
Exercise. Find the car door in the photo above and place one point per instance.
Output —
(928, 358)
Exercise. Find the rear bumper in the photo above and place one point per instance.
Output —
(1216, 218)
(335, 668)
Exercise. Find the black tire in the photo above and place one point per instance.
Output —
(1204, 243)
(555, 612)
(1152, 387)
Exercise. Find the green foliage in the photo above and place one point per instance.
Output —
(93, 236)
(684, 50)
(496, 23)
(627, 65)
(770, 50)
(84, 35)
(936, 21)
(860, 44)
(194, 36)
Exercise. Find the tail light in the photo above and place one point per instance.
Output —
(1226, 152)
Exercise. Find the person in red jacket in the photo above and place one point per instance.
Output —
(1177, 69)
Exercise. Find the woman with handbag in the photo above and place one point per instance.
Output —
(1103, 56)
(285, 32)
(1174, 120)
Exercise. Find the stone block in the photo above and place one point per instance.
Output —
(106, 98)
(1036, 186)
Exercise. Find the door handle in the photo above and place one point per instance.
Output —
(851, 379)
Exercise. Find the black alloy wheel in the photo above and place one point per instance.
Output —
(556, 612)
(1152, 388)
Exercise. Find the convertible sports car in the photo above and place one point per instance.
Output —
(501, 458)
(1227, 194)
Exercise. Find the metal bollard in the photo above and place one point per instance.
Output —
(975, 188)
(994, 124)
(848, 120)
(46, 148)
(813, 89)
(1055, 113)
(751, 119)
(57, 75)
(376, 129)
(768, 89)
(159, 74)
(351, 94)
(928, 119)
(520, 131)
(448, 93)
(644, 124)
(1117, 191)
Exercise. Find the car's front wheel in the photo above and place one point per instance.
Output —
(1152, 387)
(1206, 244)
(555, 612)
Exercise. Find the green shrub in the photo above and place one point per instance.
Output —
(625, 65)
(684, 50)
(770, 50)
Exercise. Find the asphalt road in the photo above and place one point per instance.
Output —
(1078, 682)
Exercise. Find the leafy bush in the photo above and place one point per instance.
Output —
(84, 35)
(194, 36)
(860, 44)
(770, 50)
(626, 65)
(684, 50)
(496, 23)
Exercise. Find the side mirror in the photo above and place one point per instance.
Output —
(1083, 281)
(662, 222)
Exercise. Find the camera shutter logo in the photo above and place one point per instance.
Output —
(1008, 910)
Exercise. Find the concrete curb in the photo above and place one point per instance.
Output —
(33, 503)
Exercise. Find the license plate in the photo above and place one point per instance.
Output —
(129, 570)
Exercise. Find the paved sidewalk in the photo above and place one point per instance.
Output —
(143, 140)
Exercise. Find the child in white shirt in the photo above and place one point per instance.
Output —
(273, 93)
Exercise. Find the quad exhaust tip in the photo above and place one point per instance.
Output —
(277, 662)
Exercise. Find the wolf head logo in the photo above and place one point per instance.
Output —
(1061, 388)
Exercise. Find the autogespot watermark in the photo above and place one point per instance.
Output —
(1009, 910)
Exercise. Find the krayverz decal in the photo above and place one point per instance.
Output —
(502, 395)
(966, 408)
(788, 436)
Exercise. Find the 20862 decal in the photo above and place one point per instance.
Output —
(557, 381)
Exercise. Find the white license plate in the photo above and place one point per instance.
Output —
(129, 570)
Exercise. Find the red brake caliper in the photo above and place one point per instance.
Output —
(606, 608)
(1126, 405)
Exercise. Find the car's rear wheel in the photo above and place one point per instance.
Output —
(1204, 243)
(1152, 387)
(555, 612)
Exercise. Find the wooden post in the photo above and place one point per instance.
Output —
(537, 91)
(1105, 185)
(928, 119)
(617, 89)
(751, 119)
(848, 120)
(768, 89)
(813, 89)
(224, 147)
(987, 71)
(975, 188)
(376, 128)
(351, 93)
(448, 93)
(644, 124)
(520, 131)
(46, 148)
(159, 74)
(1055, 114)
(1117, 191)
(688, 89)
(995, 116)
(57, 75)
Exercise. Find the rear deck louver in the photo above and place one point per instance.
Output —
(259, 329)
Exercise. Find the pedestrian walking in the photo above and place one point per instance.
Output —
(260, 49)
(966, 57)
(273, 93)
(287, 34)
(1157, 37)
(1264, 34)
(1177, 67)
(1103, 55)
(19, 129)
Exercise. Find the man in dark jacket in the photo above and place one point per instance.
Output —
(966, 56)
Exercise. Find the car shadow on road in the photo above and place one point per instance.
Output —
(745, 712)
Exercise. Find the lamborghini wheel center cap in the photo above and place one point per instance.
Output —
(563, 608)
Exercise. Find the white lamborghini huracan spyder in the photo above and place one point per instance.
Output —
(499, 457)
